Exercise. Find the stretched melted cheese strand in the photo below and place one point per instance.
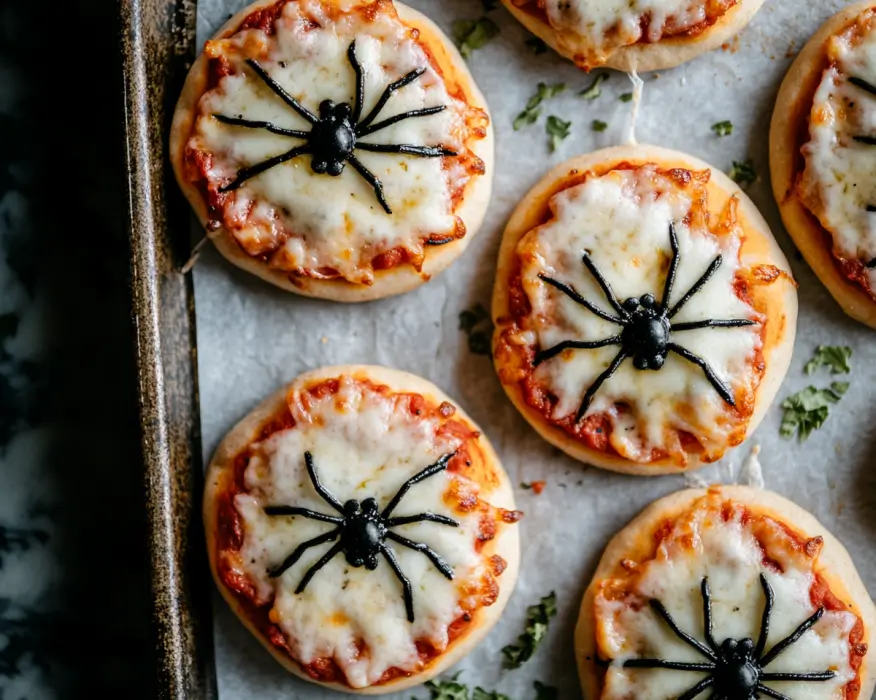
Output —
(726, 552)
(626, 230)
(364, 445)
(839, 182)
(336, 221)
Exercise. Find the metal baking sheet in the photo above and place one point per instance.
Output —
(253, 338)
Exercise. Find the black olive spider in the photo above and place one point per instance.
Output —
(363, 531)
(647, 327)
(867, 140)
(336, 130)
(736, 668)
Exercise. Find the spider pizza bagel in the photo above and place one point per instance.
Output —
(336, 148)
(730, 592)
(644, 314)
(362, 528)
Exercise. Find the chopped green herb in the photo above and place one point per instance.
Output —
(537, 619)
(626, 97)
(478, 326)
(447, 690)
(536, 45)
(594, 90)
(599, 126)
(558, 130)
(473, 34)
(532, 111)
(481, 694)
(807, 410)
(832, 356)
(743, 173)
(489, 5)
(723, 128)
(545, 692)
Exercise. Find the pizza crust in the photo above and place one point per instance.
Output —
(398, 280)
(644, 57)
(791, 115)
(507, 543)
(839, 570)
(780, 297)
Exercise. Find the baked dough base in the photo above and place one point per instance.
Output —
(839, 570)
(645, 57)
(397, 280)
(759, 246)
(507, 543)
(793, 106)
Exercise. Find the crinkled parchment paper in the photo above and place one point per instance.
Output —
(253, 338)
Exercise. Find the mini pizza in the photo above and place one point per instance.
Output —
(631, 35)
(336, 148)
(731, 593)
(362, 528)
(823, 152)
(644, 314)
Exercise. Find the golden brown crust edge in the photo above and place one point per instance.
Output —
(668, 53)
(386, 282)
(792, 107)
(781, 296)
(839, 570)
(508, 544)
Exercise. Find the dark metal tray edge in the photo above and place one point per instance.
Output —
(157, 46)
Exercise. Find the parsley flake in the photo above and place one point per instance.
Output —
(478, 326)
(532, 111)
(743, 173)
(473, 34)
(481, 694)
(594, 90)
(723, 128)
(537, 619)
(447, 690)
(536, 45)
(836, 358)
(808, 410)
(599, 126)
(626, 97)
(558, 130)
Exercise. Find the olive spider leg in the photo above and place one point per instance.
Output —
(405, 149)
(439, 563)
(550, 353)
(697, 689)
(863, 84)
(431, 470)
(603, 283)
(765, 619)
(311, 572)
(278, 90)
(706, 593)
(245, 174)
(661, 610)
(267, 126)
(578, 299)
(698, 285)
(413, 114)
(422, 517)
(600, 380)
(384, 98)
(673, 266)
(712, 323)
(360, 82)
(671, 665)
(372, 180)
(722, 389)
(819, 676)
(760, 688)
(405, 582)
(791, 638)
(323, 492)
(303, 547)
(304, 513)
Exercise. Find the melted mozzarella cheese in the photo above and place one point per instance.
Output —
(839, 182)
(704, 545)
(626, 230)
(322, 221)
(610, 24)
(363, 445)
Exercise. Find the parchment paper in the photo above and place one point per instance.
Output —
(253, 338)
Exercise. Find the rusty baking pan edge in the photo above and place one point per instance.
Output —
(157, 45)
